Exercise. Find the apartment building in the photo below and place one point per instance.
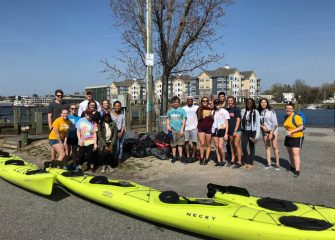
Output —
(180, 86)
(250, 84)
(224, 79)
(134, 87)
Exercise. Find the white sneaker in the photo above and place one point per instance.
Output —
(110, 168)
(103, 168)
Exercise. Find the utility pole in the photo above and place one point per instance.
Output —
(149, 62)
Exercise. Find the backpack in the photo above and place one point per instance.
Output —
(304, 120)
(302, 115)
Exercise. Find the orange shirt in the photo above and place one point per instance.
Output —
(289, 126)
(62, 125)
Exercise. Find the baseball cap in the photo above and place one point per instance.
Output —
(190, 97)
(88, 92)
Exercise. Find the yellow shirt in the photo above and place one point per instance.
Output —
(62, 125)
(289, 126)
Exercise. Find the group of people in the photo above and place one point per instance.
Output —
(234, 129)
(83, 132)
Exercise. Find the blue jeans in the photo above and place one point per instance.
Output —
(119, 149)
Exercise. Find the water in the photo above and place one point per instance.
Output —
(6, 113)
(315, 118)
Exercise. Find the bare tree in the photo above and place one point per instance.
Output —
(183, 29)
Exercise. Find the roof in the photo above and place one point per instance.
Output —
(219, 72)
(128, 83)
(247, 74)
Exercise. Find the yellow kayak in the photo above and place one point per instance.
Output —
(26, 175)
(213, 217)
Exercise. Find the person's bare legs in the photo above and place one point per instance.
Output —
(202, 139)
(217, 151)
(267, 145)
(275, 148)
(208, 143)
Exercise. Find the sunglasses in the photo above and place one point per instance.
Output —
(204, 101)
(73, 108)
(60, 95)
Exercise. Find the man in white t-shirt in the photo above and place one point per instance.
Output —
(83, 104)
(191, 130)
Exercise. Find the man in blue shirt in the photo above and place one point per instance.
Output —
(175, 123)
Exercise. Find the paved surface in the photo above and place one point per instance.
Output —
(25, 215)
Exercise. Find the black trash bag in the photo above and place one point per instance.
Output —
(148, 140)
(160, 153)
(138, 151)
(162, 137)
(129, 143)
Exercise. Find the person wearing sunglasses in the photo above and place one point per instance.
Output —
(205, 122)
(54, 111)
(72, 139)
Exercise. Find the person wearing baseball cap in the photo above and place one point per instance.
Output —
(87, 140)
(83, 104)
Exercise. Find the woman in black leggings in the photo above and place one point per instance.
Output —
(250, 124)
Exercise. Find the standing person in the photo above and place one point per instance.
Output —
(269, 127)
(222, 98)
(58, 135)
(220, 132)
(191, 130)
(107, 138)
(87, 136)
(175, 123)
(106, 107)
(119, 119)
(96, 118)
(294, 137)
(234, 131)
(205, 122)
(250, 125)
(84, 104)
(96, 115)
(72, 139)
(54, 111)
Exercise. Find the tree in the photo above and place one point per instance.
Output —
(182, 30)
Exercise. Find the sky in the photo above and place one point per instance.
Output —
(45, 44)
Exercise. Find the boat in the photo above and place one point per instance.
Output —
(311, 107)
(212, 217)
(24, 174)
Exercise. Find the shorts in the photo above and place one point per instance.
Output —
(293, 142)
(239, 132)
(177, 140)
(207, 130)
(54, 142)
(219, 133)
(191, 135)
(72, 141)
